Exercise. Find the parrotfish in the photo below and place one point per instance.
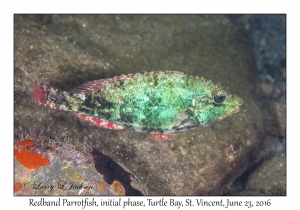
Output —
(159, 103)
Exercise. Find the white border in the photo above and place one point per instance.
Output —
(154, 6)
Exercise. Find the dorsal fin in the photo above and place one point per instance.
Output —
(89, 87)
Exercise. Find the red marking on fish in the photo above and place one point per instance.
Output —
(89, 87)
(39, 95)
(42, 96)
(100, 122)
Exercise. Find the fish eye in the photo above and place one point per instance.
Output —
(219, 97)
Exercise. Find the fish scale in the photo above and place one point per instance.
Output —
(158, 103)
(144, 99)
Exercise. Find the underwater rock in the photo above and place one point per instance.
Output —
(278, 109)
(265, 89)
(274, 171)
(67, 172)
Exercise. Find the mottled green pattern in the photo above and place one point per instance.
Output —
(160, 103)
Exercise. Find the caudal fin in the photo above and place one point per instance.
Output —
(48, 97)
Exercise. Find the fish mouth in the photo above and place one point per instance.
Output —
(236, 109)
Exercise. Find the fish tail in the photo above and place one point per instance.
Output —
(49, 97)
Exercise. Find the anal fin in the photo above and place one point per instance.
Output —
(100, 122)
(161, 136)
